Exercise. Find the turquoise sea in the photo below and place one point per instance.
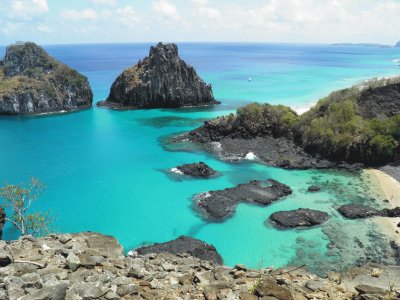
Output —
(107, 171)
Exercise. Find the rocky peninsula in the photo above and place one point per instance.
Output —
(93, 266)
(348, 129)
(161, 80)
(33, 82)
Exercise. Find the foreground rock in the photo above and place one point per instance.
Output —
(218, 205)
(32, 82)
(93, 266)
(184, 244)
(161, 80)
(302, 217)
(197, 170)
(354, 211)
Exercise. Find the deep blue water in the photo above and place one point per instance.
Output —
(107, 171)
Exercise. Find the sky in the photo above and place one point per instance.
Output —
(130, 21)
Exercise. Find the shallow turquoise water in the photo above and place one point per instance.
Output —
(107, 171)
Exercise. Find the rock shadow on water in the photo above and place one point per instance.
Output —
(170, 121)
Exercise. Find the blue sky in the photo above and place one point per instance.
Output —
(108, 21)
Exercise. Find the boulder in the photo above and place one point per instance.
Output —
(356, 211)
(184, 244)
(313, 189)
(220, 204)
(33, 82)
(302, 217)
(161, 80)
(198, 170)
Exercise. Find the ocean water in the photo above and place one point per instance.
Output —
(108, 171)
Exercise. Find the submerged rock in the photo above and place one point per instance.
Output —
(302, 217)
(184, 244)
(218, 205)
(314, 189)
(161, 80)
(199, 170)
(32, 82)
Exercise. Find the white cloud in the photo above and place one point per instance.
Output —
(166, 9)
(104, 2)
(78, 15)
(26, 10)
(127, 16)
(199, 2)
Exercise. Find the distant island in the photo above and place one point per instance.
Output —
(398, 44)
(33, 82)
(161, 80)
(362, 45)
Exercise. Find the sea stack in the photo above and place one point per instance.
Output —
(33, 82)
(161, 80)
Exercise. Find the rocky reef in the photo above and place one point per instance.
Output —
(197, 170)
(161, 80)
(184, 244)
(32, 82)
(348, 129)
(356, 211)
(93, 266)
(219, 205)
(303, 217)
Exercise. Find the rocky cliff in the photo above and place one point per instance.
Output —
(162, 79)
(360, 124)
(93, 266)
(32, 82)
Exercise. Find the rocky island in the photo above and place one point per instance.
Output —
(161, 80)
(348, 129)
(196, 170)
(93, 266)
(33, 82)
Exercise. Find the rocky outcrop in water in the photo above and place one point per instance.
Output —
(355, 211)
(302, 217)
(93, 266)
(32, 82)
(219, 205)
(197, 170)
(161, 80)
(184, 244)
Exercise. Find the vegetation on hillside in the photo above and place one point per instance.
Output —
(333, 128)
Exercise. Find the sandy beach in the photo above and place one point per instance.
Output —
(390, 188)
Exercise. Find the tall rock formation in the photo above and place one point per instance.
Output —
(32, 82)
(161, 80)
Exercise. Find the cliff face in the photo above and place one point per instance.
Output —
(161, 80)
(92, 266)
(33, 82)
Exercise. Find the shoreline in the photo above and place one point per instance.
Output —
(390, 189)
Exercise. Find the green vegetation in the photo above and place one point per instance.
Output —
(333, 128)
(20, 198)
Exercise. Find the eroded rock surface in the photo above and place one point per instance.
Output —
(161, 80)
(93, 266)
(302, 217)
(218, 205)
(184, 244)
(355, 211)
(197, 170)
